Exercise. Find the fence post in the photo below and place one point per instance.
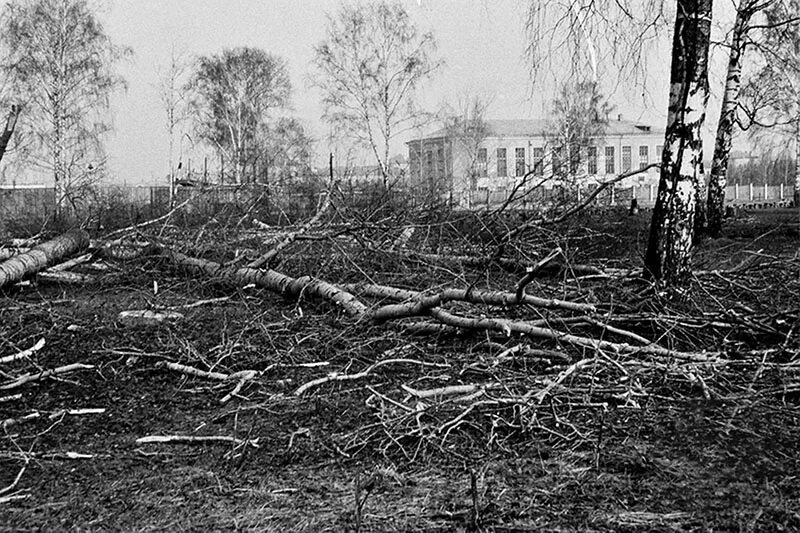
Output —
(766, 191)
(735, 191)
(650, 193)
(612, 194)
(751, 191)
(781, 191)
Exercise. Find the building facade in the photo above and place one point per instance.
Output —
(511, 153)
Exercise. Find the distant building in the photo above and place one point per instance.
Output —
(511, 149)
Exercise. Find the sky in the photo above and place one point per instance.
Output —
(482, 43)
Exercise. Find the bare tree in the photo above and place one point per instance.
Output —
(466, 128)
(569, 38)
(284, 151)
(173, 94)
(668, 256)
(371, 62)
(771, 97)
(742, 38)
(579, 119)
(234, 92)
(60, 62)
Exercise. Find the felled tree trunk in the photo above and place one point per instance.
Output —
(272, 281)
(669, 247)
(40, 257)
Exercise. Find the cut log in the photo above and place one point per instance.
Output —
(48, 253)
(272, 281)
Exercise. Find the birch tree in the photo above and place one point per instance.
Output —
(668, 256)
(579, 120)
(771, 97)
(769, 36)
(466, 128)
(60, 64)
(371, 62)
(234, 94)
(172, 92)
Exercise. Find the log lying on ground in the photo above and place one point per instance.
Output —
(475, 296)
(417, 305)
(42, 256)
(7, 253)
(272, 281)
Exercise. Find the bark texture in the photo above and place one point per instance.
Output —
(722, 147)
(797, 162)
(8, 131)
(669, 248)
(272, 281)
(40, 257)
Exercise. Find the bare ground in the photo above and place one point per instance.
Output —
(712, 447)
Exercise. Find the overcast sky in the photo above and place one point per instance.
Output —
(481, 41)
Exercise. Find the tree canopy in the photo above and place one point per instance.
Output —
(371, 61)
(234, 93)
(60, 64)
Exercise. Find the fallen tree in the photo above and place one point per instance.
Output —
(270, 280)
(42, 256)
(416, 304)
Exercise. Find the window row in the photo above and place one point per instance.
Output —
(573, 163)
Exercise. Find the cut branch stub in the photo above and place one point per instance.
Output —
(46, 254)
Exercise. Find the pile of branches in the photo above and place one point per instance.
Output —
(553, 343)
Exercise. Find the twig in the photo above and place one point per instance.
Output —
(11, 398)
(66, 265)
(149, 222)
(447, 391)
(24, 353)
(243, 376)
(192, 371)
(291, 237)
(45, 374)
(210, 301)
(540, 396)
(195, 439)
(335, 376)
(16, 479)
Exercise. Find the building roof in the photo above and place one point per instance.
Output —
(541, 127)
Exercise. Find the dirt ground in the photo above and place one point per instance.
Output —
(709, 447)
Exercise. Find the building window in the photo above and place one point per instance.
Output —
(428, 162)
(626, 159)
(644, 156)
(538, 161)
(610, 160)
(557, 156)
(659, 153)
(502, 166)
(482, 163)
(574, 159)
(519, 154)
(591, 160)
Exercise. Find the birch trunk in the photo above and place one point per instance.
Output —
(11, 123)
(719, 166)
(797, 160)
(46, 254)
(669, 248)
